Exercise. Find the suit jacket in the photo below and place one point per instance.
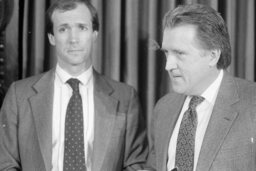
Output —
(229, 141)
(26, 126)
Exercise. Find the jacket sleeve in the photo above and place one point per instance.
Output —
(151, 160)
(9, 152)
(136, 146)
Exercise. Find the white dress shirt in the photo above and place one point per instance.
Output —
(204, 111)
(62, 94)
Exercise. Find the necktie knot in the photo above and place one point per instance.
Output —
(74, 84)
(195, 101)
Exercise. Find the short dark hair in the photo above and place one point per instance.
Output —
(212, 31)
(66, 5)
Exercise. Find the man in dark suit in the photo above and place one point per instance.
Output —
(71, 118)
(208, 122)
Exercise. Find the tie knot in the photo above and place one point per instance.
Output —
(74, 84)
(195, 100)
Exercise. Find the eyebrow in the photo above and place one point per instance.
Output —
(66, 25)
(63, 25)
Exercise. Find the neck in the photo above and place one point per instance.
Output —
(211, 77)
(75, 70)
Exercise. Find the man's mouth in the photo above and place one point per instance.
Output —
(175, 75)
(74, 51)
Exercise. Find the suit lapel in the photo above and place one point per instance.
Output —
(221, 120)
(41, 105)
(169, 114)
(105, 114)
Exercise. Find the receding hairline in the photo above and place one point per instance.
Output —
(57, 10)
(200, 43)
(75, 6)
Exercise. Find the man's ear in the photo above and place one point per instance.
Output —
(51, 39)
(95, 35)
(214, 57)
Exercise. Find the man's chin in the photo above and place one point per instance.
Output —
(76, 62)
(178, 88)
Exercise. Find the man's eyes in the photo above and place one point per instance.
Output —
(82, 27)
(177, 52)
(62, 29)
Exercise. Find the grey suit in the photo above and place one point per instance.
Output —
(229, 142)
(26, 126)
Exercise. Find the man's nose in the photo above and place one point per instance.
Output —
(73, 37)
(170, 62)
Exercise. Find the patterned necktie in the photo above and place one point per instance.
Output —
(184, 159)
(74, 158)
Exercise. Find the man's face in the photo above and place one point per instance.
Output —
(188, 64)
(73, 37)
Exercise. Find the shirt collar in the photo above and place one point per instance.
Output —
(63, 75)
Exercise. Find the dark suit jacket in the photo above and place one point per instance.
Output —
(26, 126)
(229, 141)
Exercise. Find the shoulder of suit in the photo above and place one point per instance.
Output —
(167, 99)
(24, 88)
(117, 85)
(29, 81)
(246, 89)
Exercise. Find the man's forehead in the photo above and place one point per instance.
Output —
(76, 15)
(79, 11)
